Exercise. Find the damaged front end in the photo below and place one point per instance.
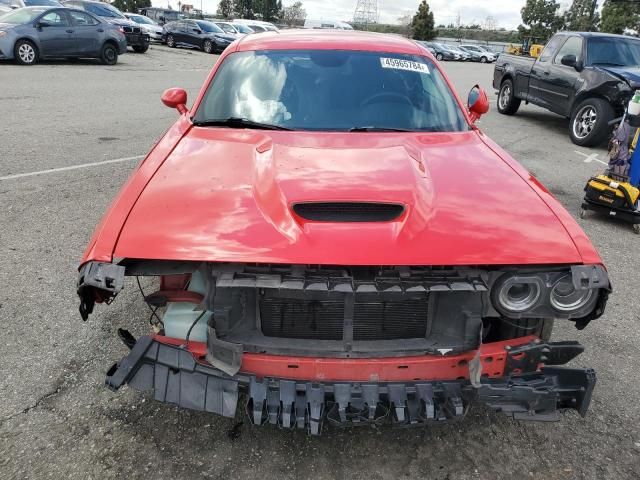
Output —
(308, 345)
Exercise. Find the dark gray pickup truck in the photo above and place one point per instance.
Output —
(587, 77)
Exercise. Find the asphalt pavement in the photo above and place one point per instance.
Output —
(77, 130)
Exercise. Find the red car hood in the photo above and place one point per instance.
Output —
(226, 195)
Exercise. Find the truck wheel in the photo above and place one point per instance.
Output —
(140, 48)
(508, 104)
(25, 52)
(589, 124)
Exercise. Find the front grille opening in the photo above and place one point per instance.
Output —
(302, 319)
(348, 211)
(324, 319)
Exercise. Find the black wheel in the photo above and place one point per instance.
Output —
(483, 59)
(171, 42)
(508, 104)
(140, 48)
(207, 46)
(25, 52)
(589, 125)
(439, 57)
(109, 54)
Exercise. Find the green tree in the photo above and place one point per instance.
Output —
(225, 8)
(619, 16)
(131, 5)
(540, 19)
(294, 15)
(422, 25)
(244, 9)
(269, 10)
(582, 16)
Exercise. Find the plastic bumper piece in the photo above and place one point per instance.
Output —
(175, 377)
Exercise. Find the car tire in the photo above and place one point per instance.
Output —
(171, 42)
(483, 59)
(507, 102)
(109, 54)
(207, 46)
(439, 57)
(25, 52)
(140, 48)
(589, 123)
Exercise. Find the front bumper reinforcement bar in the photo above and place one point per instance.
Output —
(175, 377)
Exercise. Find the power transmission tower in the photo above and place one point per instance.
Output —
(366, 12)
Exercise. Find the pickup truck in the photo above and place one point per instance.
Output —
(584, 76)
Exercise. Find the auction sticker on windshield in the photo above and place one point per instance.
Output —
(399, 64)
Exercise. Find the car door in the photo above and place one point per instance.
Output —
(88, 32)
(178, 31)
(55, 34)
(193, 34)
(538, 87)
(559, 86)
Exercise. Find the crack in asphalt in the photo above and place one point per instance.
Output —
(37, 403)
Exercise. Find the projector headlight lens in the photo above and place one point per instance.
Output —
(565, 298)
(518, 295)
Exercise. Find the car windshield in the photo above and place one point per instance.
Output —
(226, 27)
(42, 3)
(242, 28)
(209, 27)
(142, 19)
(22, 15)
(614, 51)
(332, 90)
(103, 10)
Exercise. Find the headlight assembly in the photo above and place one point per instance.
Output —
(572, 292)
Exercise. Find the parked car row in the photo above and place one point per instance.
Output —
(210, 36)
(37, 29)
(460, 53)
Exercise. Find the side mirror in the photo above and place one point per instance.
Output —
(569, 60)
(197, 30)
(477, 103)
(175, 98)
(42, 24)
(14, 6)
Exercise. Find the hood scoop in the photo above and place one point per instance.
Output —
(348, 211)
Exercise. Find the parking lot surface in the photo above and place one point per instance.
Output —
(78, 130)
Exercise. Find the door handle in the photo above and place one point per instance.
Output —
(546, 72)
(101, 30)
(69, 31)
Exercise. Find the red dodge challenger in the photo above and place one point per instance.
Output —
(333, 240)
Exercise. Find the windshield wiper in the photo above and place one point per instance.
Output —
(378, 129)
(611, 64)
(237, 122)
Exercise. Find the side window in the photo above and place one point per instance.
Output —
(573, 46)
(55, 19)
(82, 19)
(551, 47)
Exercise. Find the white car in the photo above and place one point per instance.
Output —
(147, 25)
(486, 56)
(257, 25)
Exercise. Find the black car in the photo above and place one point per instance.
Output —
(441, 52)
(136, 38)
(201, 34)
(585, 76)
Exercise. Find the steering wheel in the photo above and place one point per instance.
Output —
(393, 96)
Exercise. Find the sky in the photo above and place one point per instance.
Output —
(505, 12)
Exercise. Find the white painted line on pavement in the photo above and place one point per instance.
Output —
(71, 167)
(591, 157)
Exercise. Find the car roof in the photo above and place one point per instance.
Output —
(328, 39)
(598, 34)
